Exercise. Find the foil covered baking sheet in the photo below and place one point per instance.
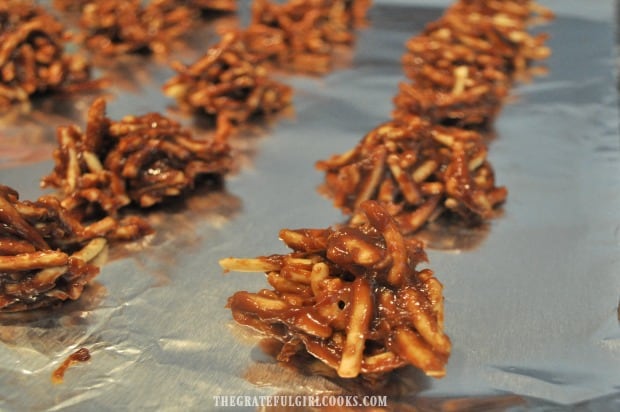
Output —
(531, 299)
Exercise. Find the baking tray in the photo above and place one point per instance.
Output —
(531, 299)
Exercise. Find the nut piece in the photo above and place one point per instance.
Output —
(351, 297)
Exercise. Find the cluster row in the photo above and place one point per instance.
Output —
(137, 160)
(115, 27)
(33, 43)
(430, 160)
(351, 295)
(232, 81)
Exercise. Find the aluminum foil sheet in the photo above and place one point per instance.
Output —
(531, 299)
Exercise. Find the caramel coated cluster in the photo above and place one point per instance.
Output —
(46, 256)
(115, 27)
(32, 55)
(228, 84)
(350, 296)
(301, 35)
(418, 171)
(462, 66)
(138, 160)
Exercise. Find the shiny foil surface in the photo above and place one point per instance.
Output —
(531, 299)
